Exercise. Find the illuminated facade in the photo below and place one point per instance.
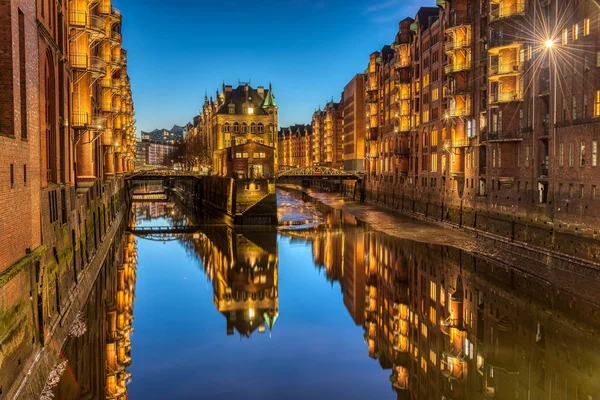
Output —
(327, 126)
(244, 276)
(497, 111)
(238, 124)
(295, 147)
(66, 134)
(353, 101)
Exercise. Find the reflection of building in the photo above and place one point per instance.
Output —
(447, 332)
(120, 320)
(244, 272)
(99, 347)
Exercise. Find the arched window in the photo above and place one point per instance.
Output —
(253, 128)
(236, 128)
(226, 127)
(244, 127)
(261, 128)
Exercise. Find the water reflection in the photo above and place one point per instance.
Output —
(441, 323)
(449, 325)
(98, 350)
(243, 272)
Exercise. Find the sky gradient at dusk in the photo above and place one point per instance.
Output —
(308, 49)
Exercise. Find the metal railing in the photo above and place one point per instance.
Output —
(97, 24)
(457, 67)
(78, 61)
(80, 119)
(506, 68)
(78, 19)
(507, 11)
(459, 111)
(505, 97)
(97, 64)
(455, 44)
(116, 36)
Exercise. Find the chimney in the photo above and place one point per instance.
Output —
(261, 91)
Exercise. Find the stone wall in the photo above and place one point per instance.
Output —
(42, 292)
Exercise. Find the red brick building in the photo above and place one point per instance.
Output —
(490, 113)
(295, 147)
(66, 139)
(353, 101)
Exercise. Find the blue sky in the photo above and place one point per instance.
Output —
(308, 49)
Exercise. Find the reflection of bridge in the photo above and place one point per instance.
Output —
(318, 173)
(171, 230)
(161, 173)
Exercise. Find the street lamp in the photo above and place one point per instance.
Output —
(548, 44)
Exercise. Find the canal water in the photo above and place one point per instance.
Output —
(327, 307)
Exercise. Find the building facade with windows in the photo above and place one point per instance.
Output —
(497, 112)
(67, 139)
(295, 147)
(238, 117)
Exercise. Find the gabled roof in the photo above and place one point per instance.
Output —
(238, 98)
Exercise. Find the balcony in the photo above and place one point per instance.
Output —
(106, 105)
(80, 120)
(99, 123)
(499, 42)
(458, 22)
(402, 62)
(372, 133)
(97, 27)
(505, 97)
(106, 82)
(506, 69)
(462, 111)
(116, 37)
(457, 67)
(457, 44)
(501, 13)
(78, 20)
(79, 61)
(109, 12)
(97, 65)
(456, 90)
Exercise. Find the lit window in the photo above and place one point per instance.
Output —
(250, 110)
(594, 153)
(435, 94)
(433, 357)
(433, 291)
(582, 154)
(597, 104)
(586, 27)
(565, 36)
(575, 32)
(238, 155)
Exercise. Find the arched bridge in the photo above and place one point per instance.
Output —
(318, 173)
